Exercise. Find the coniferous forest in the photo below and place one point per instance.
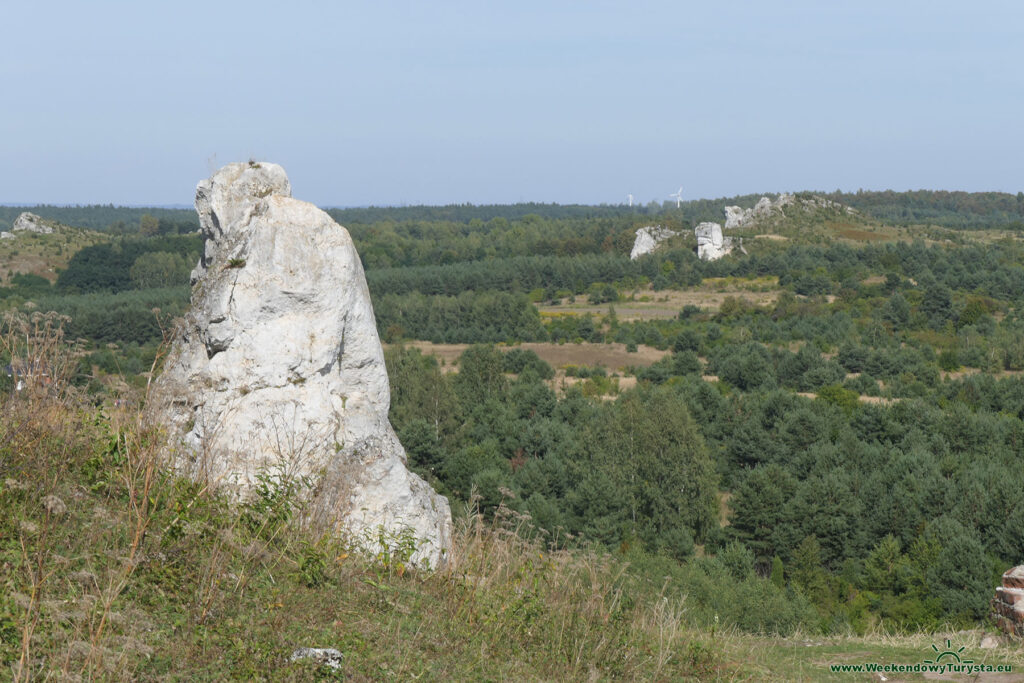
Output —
(823, 435)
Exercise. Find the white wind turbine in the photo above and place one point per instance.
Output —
(630, 199)
(678, 196)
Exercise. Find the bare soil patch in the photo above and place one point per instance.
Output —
(879, 400)
(614, 357)
(862, 235)
(967, 372)
(723, 508)
(664, 304)
(647, 304)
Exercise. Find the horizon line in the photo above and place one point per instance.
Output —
(176, 206)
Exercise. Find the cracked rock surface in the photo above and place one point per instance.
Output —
(277, 370)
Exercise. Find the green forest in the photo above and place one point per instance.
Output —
(847, 450)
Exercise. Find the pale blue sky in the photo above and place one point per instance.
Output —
(437, 102)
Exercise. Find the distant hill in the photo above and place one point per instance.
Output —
(964, 210)
(952, 209)
(43, 255)
(105, 218)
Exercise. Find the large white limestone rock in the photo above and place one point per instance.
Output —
(29, 222)
(712, 245)
(277, 370)
(648, 239)
(710, 242)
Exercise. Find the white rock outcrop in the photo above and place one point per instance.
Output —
(30, 222)
(7, 235)
(277, 370)
(735, 217)
(648, 239)
(711, 244)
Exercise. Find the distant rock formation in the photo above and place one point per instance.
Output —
(735, 217)
(712, 245)
(29, 222)
(648, 239)
(7, 235)
(1008, 604)
(277, 370)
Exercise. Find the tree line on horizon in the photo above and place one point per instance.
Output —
(953, 209)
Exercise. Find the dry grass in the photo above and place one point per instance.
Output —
(43, 255)
(806, 657)
(967, 372)
(856, 233)
(614, 357)
(647, 304)
(115, 570)
(724, 510)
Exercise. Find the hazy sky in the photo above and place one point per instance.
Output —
(437, 102)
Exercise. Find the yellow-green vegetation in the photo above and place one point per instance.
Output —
(823, 224)
(810, 658)
(846, 490)
(43, 255)
(645, 303)
(113, 568)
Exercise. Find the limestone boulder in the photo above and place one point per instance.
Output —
(648, 239)
(29, 222)
(277, 371)
(712, 244)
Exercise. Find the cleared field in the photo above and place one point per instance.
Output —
(560, 383)
(967, 372)
(647, 304)
(858, 233)
(614, 357)
(43, 255)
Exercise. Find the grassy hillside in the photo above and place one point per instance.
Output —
(114, 569)
(43, 255)
(808, 427)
